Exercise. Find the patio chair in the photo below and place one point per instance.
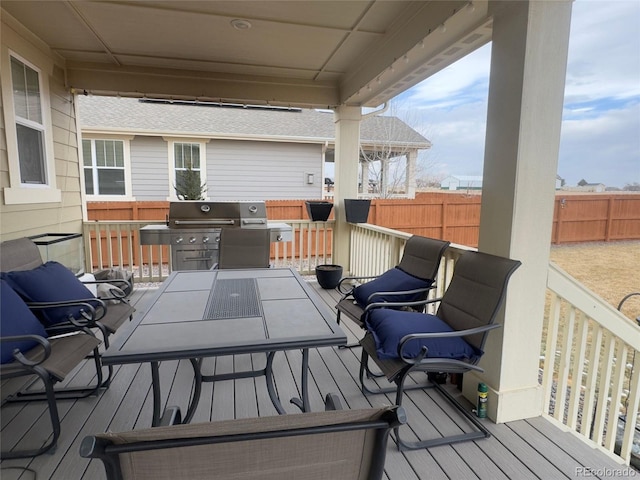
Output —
(27, 350)
(409, 281)
(61, 301)
(244, 248)
(401, 342)
(344, 444)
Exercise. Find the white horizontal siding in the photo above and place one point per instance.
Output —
(242, 170)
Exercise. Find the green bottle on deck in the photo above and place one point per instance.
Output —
(482, 400)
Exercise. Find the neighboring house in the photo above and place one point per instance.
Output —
(587, 187)
(139, 149)
(472, 182)
(461, 182)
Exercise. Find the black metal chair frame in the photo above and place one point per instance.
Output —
(356, 314)
(49, 394)
(398, 370)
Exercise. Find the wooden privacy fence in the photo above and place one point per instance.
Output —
(451, 216)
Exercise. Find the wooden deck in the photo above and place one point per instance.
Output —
(526, 449)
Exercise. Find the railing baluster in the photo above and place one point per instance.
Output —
(602, 406)
(633, 404)
(592, 377)
(550, 351)
(578, 368)
(616, 394)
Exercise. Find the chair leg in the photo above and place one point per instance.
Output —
(64, 393)
(479, 433)
(53, 415)
(364, 371)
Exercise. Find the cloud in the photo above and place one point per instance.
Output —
(601, 117)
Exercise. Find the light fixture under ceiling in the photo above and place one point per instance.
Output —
(240, 24)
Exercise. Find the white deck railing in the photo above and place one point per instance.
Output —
(377, 249)
(116, 243)
(589, 362)
(590, 366)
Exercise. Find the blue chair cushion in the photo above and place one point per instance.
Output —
(16, 319)
(393, 280)
(390, 326)
(50, 282)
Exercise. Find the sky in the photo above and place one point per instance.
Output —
(600, 138)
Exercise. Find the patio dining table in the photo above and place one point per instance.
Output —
(200, 314)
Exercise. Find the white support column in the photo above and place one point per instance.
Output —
(383, 188)
(526, 91)
(347, 120)
(364, 177)
(410, 181)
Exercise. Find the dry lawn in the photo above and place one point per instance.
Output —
(611, 270)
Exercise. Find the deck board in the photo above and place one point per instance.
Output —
(525, 449)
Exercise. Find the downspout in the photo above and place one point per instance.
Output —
(384, 108)
(322, 174)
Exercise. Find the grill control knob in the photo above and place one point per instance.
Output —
(179, 240)
(192, 240)
(205, 239)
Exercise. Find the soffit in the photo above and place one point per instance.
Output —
(311, 53)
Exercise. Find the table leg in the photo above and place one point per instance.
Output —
(268, 374)
(303, 404)
(155, 384)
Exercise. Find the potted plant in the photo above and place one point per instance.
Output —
(319, 210)
(356, 210)
(328, 275)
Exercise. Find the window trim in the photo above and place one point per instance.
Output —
(128, 184)
(171, 141)
(18, 192)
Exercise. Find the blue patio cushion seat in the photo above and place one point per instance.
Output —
(16, 320)
(50, 282)
(389, 327)
(393, 280)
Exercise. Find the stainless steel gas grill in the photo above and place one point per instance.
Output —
(193, 230)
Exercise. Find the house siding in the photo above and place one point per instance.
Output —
(236, 170)
(20, 220)
(149, 168)
(242, 170)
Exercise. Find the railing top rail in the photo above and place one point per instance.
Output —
(593, 306)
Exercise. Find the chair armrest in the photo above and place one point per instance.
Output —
(401, 292)
(89, 312)
(345, 292)
(18, 355)
(417, 303)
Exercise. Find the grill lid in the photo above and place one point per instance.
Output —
(198, 214)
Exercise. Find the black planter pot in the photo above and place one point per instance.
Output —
(356, 210)
(319, 211)
(328, 275)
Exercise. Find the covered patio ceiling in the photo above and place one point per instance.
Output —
(288, 53)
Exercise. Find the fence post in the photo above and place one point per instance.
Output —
(609, 225)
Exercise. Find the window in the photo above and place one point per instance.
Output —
(104, 167)
(187, 163)
(29, 135)
(29, 124)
